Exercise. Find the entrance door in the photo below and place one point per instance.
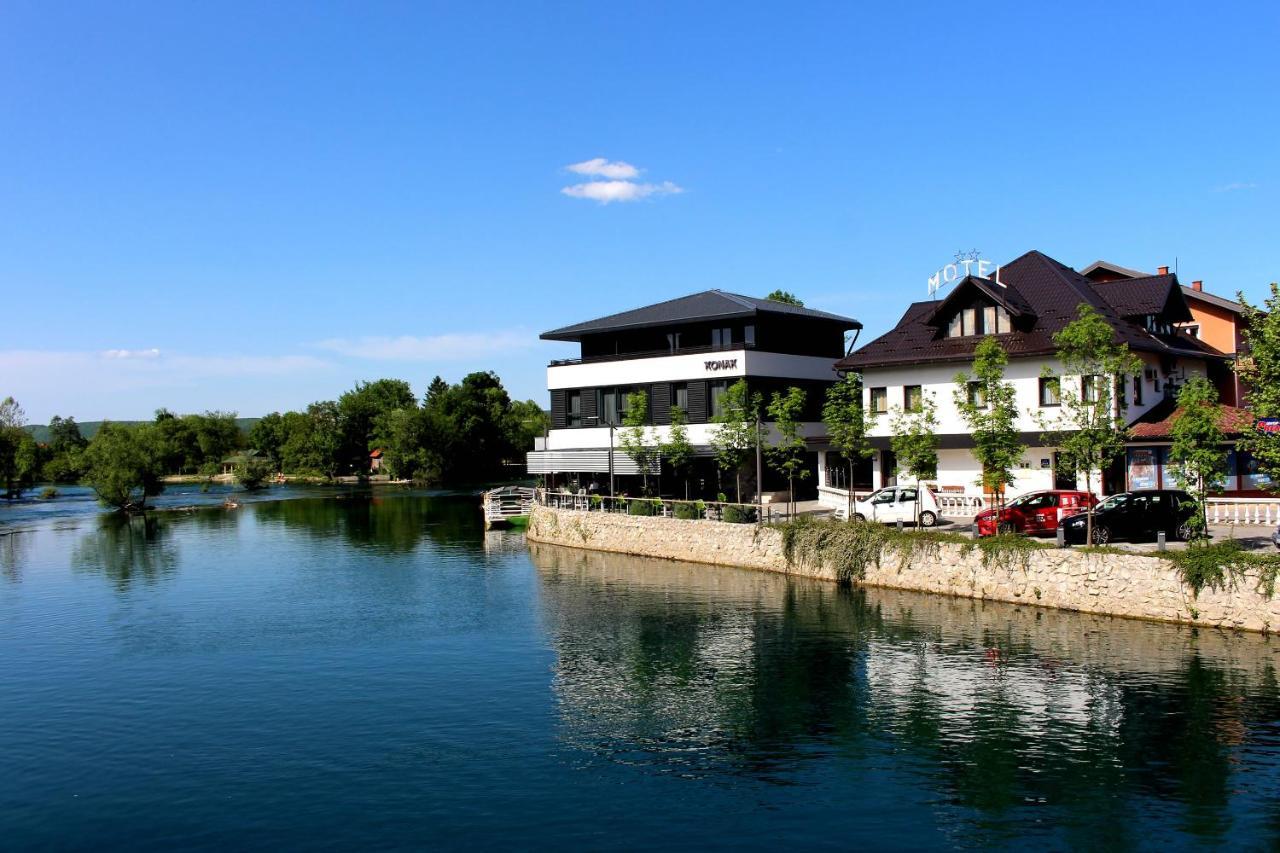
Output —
(888, 468)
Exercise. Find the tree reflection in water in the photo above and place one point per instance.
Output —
(1004, 720)
(395, 524)
(15, 550)
(129, 549)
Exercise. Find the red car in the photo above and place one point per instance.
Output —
(1034, 512)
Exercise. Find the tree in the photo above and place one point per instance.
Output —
(357, 411)
(846, 421)
(1198, 458)
(915, 443)
(1259, 369)
(125, 465)
(13, 436)
(736, 432)
(787, 455)
(1090, 429)
(268, 435)
(252, 471)
(634, 438)
(785, 296)
(677, 449)
(989, 406)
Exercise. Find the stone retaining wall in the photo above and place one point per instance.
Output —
(1113, 584)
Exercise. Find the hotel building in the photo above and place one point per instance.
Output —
(1033, 298)
(685, 352)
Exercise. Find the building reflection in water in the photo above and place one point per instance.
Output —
(998, 716)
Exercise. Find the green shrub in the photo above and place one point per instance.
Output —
(689, 512)
(595, 501)
(740, 514)
(1214, 565)
(641, 507)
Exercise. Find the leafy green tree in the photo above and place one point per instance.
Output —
(736, 431)
(1090, 429)
(846, 421)
(676, 449)
(635, 439)
(787, 454)
(436, 392)
(785, 296)
(357, 411)
(915, 443)
(312, 440)
(268, 435)
(13, 451)
(526, 421)
(252, 471)
(410, 441)
(475, 436)
(125, 465)
(1259, 369)
(1198, 458)
(989, 406)
(217, 436)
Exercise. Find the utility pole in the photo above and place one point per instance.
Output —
(610, 460)
(759, 467)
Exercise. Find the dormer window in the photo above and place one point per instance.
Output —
(979, 319)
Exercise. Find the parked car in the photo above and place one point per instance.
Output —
(896, 503)
(1033, 513)
(1136, 516)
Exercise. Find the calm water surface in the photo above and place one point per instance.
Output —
(365, 672)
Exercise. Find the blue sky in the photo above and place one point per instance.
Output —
(249, 207)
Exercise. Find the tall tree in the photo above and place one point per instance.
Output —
(267, 436)
(785, 296)
(736, 432)
(1198, 457)
(13, 434)
(846, 420)
(676, 449)
(1090, 429)
(635, 438)
(787, 454)
(66, 444)
(989, 405)
(125, 465)
(915, 443)
(357, 410)
(1259, 369)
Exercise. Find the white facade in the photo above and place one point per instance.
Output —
(721, 364)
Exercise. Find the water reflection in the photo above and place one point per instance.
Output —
(1004, 720)
(15, 550)
(393, 523)
(129, 549)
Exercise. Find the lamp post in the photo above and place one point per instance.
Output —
(759, 468)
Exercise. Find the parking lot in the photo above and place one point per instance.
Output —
(1251, 536)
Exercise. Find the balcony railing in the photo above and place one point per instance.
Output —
(657, 353)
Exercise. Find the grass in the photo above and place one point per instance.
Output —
(850, 547)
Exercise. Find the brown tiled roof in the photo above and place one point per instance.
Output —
(1050, 293)
(1137, 297)
(1158, 421)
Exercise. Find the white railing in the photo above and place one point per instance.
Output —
(954, 505)
(1243, 510)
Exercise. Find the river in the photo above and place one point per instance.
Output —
(346, 670)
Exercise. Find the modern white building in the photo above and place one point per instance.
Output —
(1034, 298)
(685, 352)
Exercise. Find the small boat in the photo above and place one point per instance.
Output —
(508, 506)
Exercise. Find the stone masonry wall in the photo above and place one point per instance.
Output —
(1118, 585)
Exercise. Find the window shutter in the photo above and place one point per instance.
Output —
(590, 396)
(697, 402)
(660, 399)
(558, 405)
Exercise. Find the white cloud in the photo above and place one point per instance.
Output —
(448, 347)
(132, 353)
(606, 192)
(1233, 187)
(602, 168)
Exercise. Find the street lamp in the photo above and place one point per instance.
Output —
(596, 418)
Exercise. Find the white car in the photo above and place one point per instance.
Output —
(896, 503)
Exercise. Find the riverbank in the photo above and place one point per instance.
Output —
(1110, 584)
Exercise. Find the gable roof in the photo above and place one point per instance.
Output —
(707, 305)
(1010, 300)
(1100, 268)
(1052, 292)
(1221, 302)
(1153, 294)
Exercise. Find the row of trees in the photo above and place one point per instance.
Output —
(459, 433)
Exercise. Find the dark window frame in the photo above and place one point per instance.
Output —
(1047, 382)
(883, 393)
(906, 398)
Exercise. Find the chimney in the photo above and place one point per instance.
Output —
(1197, 285)
(1162, 271)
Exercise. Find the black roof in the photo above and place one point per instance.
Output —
(707, 305)
(1045, 294)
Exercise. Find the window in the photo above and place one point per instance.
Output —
(1193, 331)
(912, 398)
(884, 497)
(749, 334)
(906, 495)
(976, 395)
(717, 390)
(612, 405)
(1137, 390)
(722, 337)
(980, 319)
(1050, 391)
(573, 409)
(673, 341)
(879, 400)
(1089, 389)
(680, 397)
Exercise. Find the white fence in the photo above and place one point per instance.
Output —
(1243, 510)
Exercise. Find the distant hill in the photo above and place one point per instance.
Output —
(90, 428)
